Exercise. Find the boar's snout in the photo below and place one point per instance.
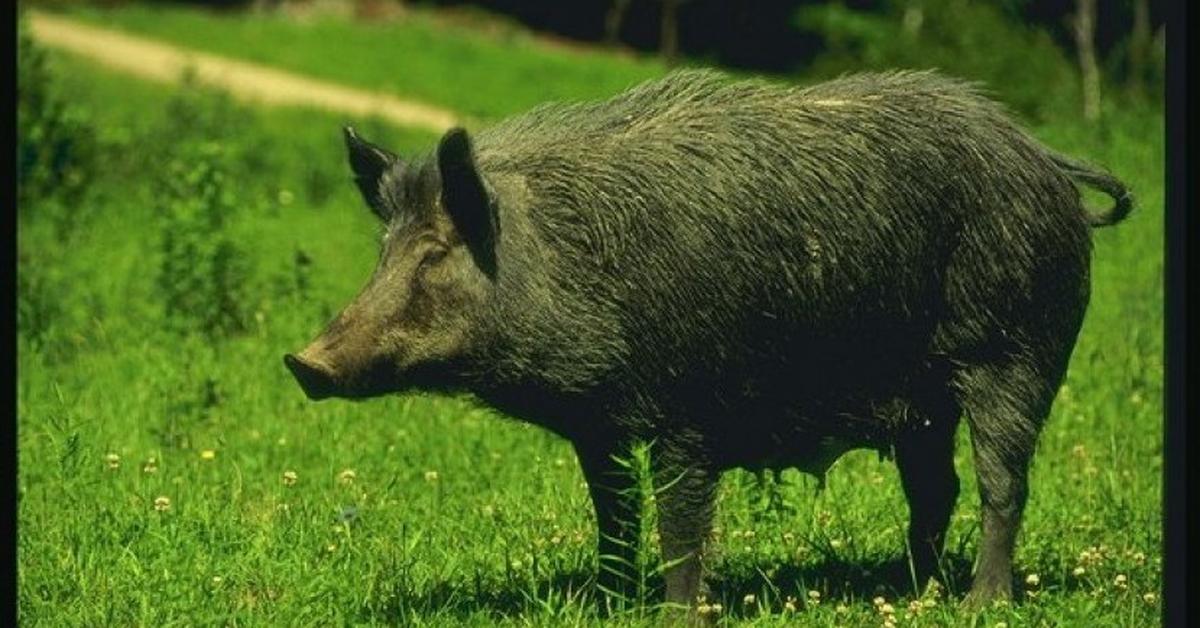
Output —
(316, 379)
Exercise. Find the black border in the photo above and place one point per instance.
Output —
(8, 345)
(1177, 344)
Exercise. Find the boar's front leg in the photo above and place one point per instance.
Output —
(685, 488)
(613, 491)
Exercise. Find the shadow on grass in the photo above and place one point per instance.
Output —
(836, 578)
(503, 599)
(857, 580)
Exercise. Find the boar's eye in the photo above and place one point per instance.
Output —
(433, 256)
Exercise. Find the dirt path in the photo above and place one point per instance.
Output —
(157, 61)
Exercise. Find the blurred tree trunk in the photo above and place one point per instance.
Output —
(1158, 51)
(613, 19)
(1139, 46)
(670, 31)
(1085, 36)
(914, 16)
(376, 9)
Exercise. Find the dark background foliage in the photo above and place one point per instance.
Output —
(766, 34)
(1016, 47)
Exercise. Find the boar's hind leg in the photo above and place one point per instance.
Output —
(925, 458)
(1006, 404)
(613, 492)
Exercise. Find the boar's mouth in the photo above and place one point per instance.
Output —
(319, 381)
(315, 380)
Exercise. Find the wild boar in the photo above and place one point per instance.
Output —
(747, 275)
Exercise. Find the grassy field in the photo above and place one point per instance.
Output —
(171, 473)
(422, 58)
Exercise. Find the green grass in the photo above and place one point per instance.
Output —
(462, 516)
(420, 57)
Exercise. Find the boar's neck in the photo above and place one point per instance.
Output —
(548, 342)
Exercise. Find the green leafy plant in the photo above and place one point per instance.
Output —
(203, 272)
(56, 141)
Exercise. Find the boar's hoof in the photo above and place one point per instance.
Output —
(315, 379)
(978, 600)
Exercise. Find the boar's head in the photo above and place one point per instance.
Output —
(411, 326)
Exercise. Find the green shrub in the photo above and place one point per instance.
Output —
(203, 273)
(56, 141)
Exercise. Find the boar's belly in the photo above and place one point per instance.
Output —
(813, 455)
(810, 437)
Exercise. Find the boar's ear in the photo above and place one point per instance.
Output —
(369, 163)
(468, 199)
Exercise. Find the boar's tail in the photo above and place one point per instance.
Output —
(1098, 179)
